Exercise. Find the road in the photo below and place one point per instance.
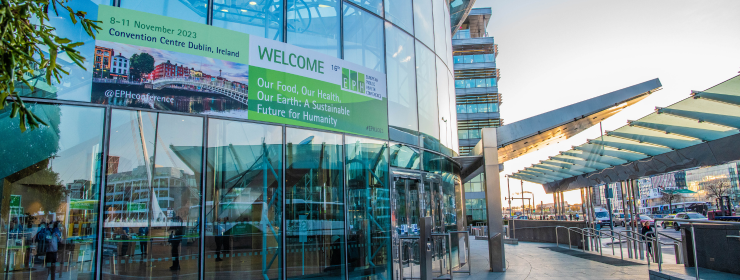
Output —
(665, 237)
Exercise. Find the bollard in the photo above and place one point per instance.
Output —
(679, 252)
(621, 254)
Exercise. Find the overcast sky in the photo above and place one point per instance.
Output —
(555, 53)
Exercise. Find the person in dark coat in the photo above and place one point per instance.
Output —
(175, 239)
(648, 234)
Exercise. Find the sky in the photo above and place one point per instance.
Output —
(555, 53)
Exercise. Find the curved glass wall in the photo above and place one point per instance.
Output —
(400, 58)
(400, 12)
(196, 196)
(51, 191)
(192, 10)
(363, 38)
(423, 26)
(262, 18)
(314, 25)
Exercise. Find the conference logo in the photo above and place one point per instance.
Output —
(353, 81)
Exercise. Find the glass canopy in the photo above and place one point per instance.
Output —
(705, 116)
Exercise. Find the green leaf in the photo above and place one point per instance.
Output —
(60, 40)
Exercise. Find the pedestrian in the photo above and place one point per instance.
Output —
(53, 239)
(648, 235)
(143, 232)
(570, 217)
(175, 239)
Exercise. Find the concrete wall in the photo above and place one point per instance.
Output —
(544, 231)
(715, 250)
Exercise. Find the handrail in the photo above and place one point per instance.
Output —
(693, 238)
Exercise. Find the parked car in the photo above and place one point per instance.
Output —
(666, 224)
(522, 218)
(644, 217)
(618, 219)
(692, 216)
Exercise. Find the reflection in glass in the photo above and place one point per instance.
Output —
(363, 39)
(314, 25)
(440, 46)
(368, 243)
(426, 94)
(400, 13)
(403, 156)
(446, 108)
(314, 205)
(244, 200)
(401, 79)
(50, 186)
(423, 26)
(375, 6)
(77, 84)
(263, 18)
(152, 196)
(192, 10)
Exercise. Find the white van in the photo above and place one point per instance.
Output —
(602, 216)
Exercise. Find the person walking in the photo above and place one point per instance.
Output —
(53, 238)
(648, 235)
(175, 239)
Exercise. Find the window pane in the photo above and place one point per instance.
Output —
(375, 6)
(426, 88)
(470, 83)
(369, 202)
(363, 39)
(474, 133)
(458, 59)
(315, 197)
(446, 109)
(483, 108)
(244, 203)
(51, 178)
(489, 57)
(472, 108)
(461, 109)
(480, 82)
(492, 82)
(152, 197)
(400, 13)
(262, 18)
(478, 58)
(493, 107)
(314, 25)
(404, 157)
(423, 26)
(401, 79)
(77, 85)
(459, 84)
(440, 46)
(194, 10)
(462, 134)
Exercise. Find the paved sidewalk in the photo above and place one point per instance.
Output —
(530, 261)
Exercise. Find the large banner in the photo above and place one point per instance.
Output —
(144, 60)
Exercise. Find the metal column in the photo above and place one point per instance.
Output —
(494, 213)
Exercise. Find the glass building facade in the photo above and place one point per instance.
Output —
(143, 193)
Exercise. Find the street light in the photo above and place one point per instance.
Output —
(531, 201)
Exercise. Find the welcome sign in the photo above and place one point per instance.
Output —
(151, 61)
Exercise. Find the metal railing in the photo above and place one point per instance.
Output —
(439, 252)
(693, 239)
(467, 252)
